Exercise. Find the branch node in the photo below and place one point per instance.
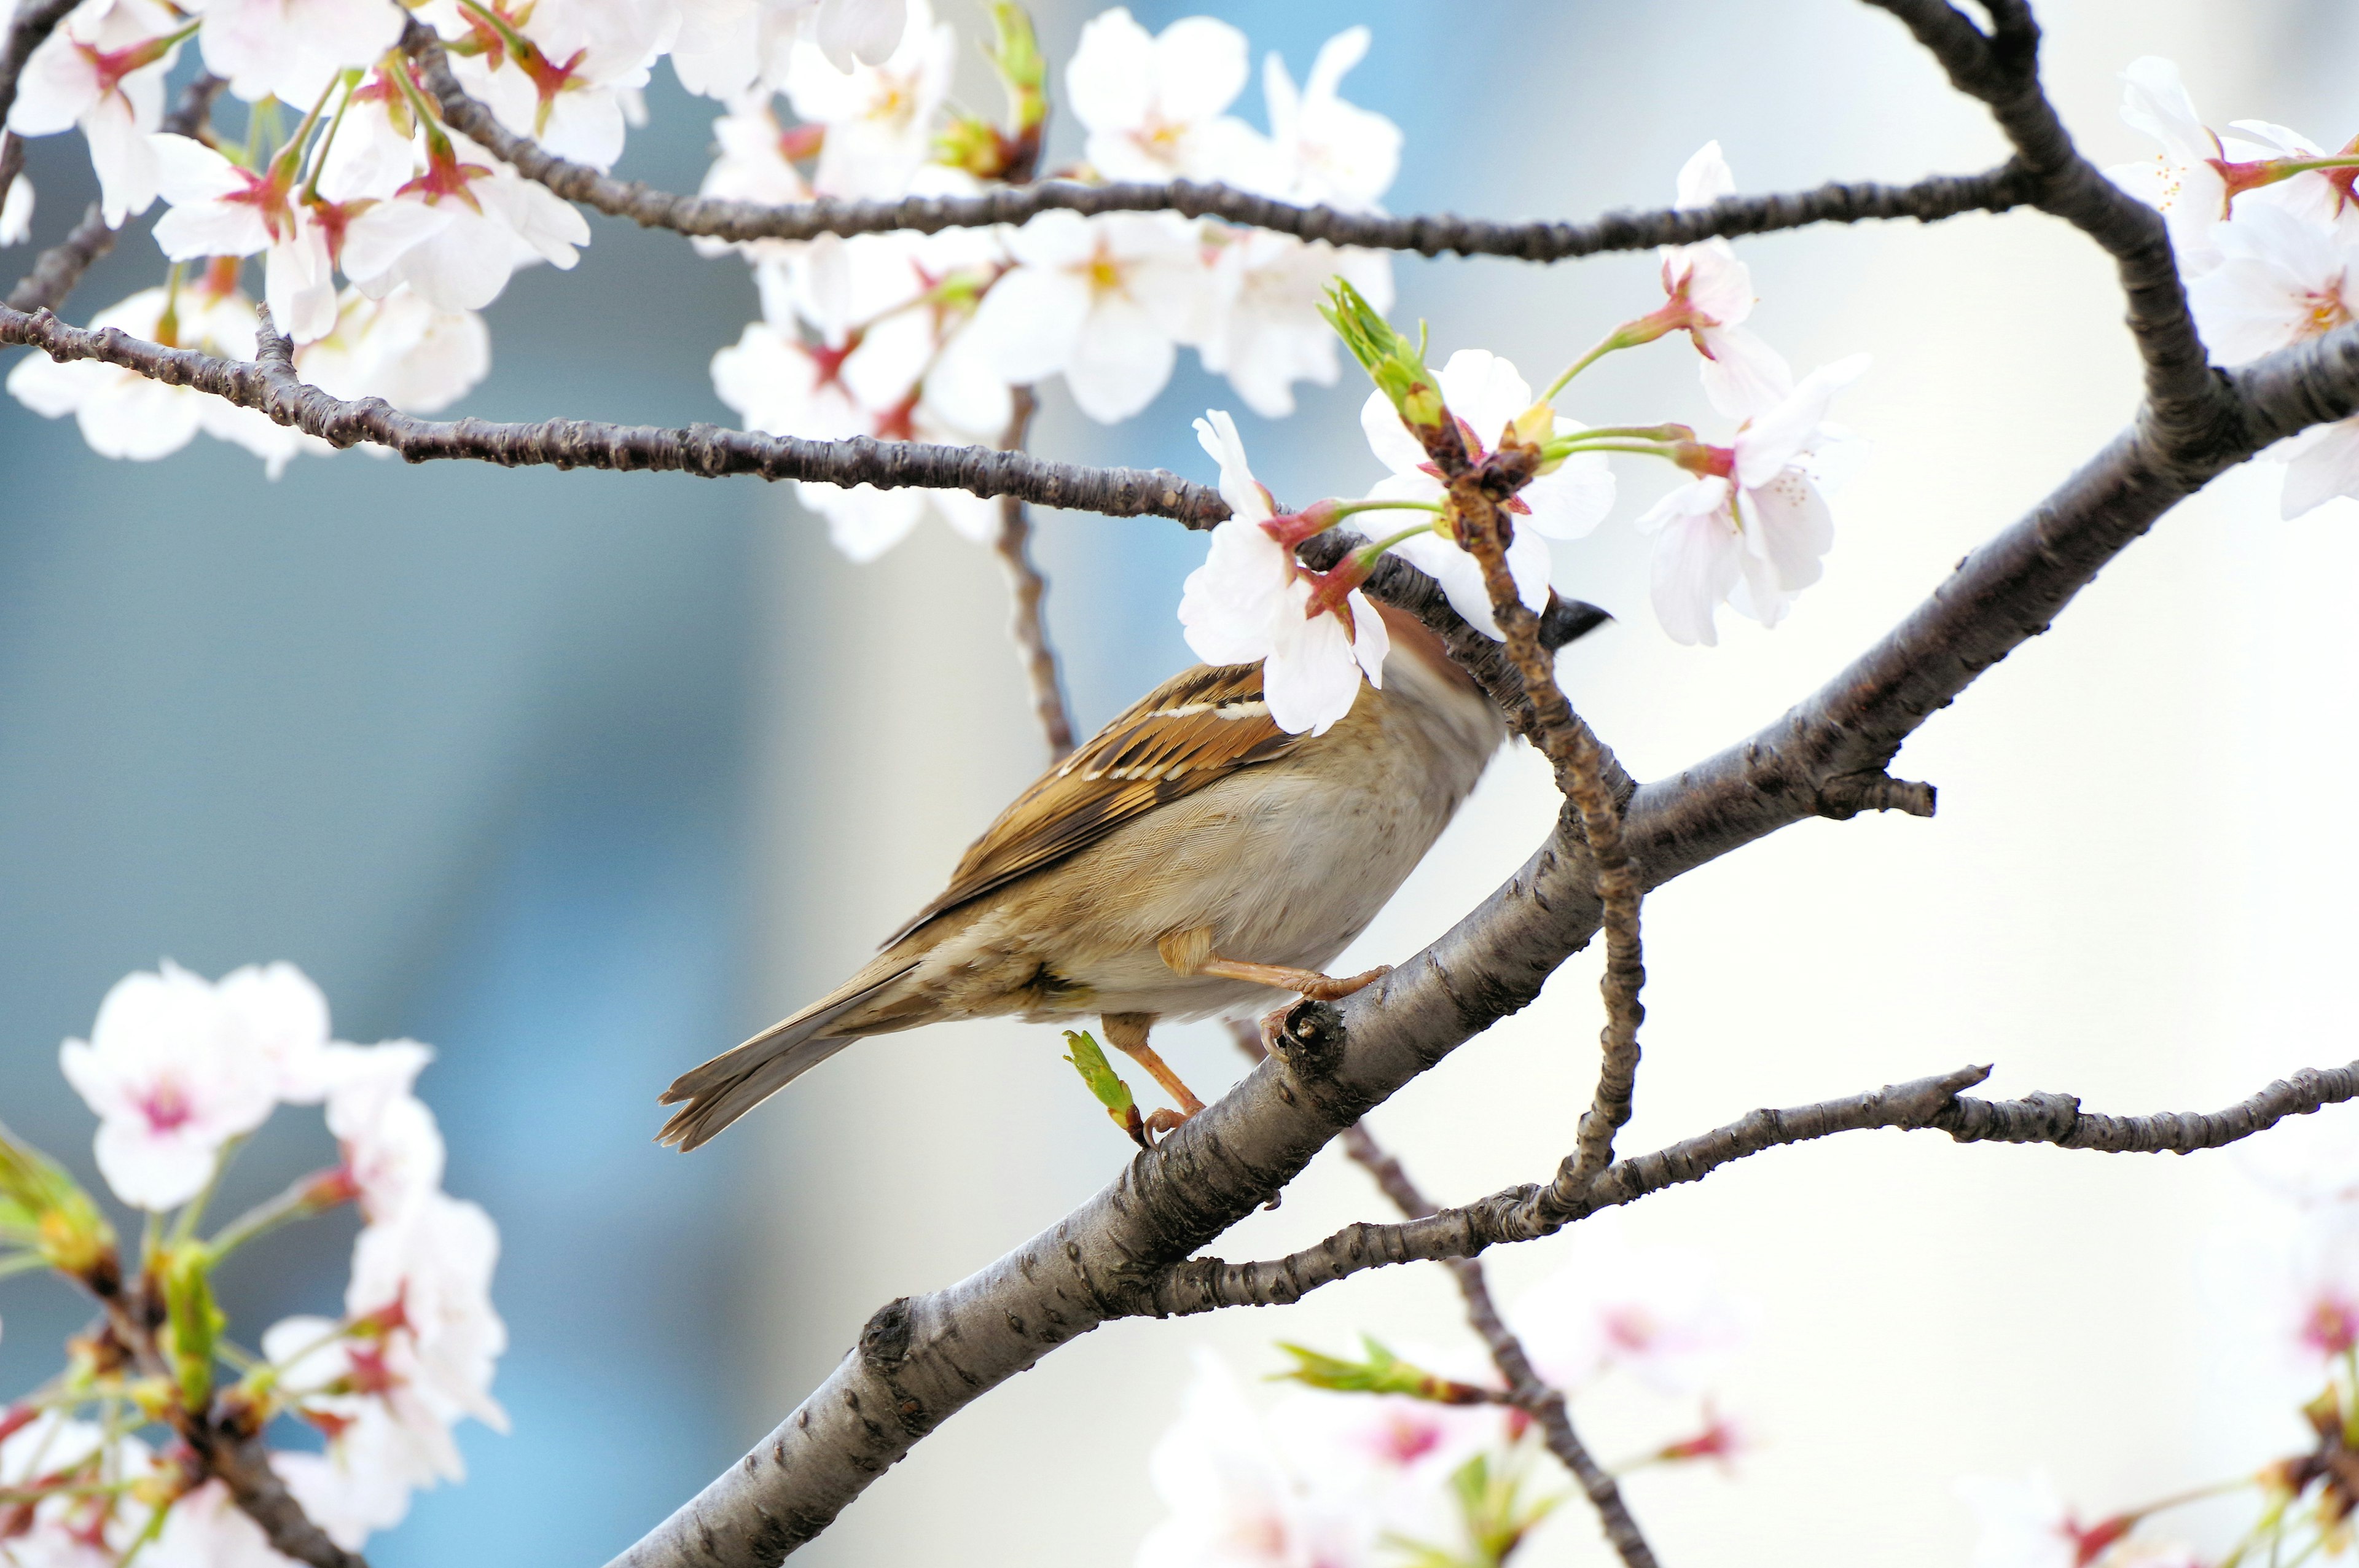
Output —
(1845, 795)
(885, 1338)
(1309, 1040)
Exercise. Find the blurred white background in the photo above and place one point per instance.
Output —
(2135, 890)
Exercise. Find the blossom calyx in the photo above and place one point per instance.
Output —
(1381, 1372)
(42, 1207)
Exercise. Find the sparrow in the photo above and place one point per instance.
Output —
(1191, 859)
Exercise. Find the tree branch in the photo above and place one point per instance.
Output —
(1521, 1213)
(33, 24)
(1026, 588)
(2187, 407)
(1927, 200)
(1526, 1389)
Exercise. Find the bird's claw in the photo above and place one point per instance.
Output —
(1335, 987)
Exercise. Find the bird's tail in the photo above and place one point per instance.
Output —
(734, 1082)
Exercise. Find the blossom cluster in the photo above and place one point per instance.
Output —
(180, 1072)
(1418, 1461)
(1748, 527)
(920, 337)
(2266, 232)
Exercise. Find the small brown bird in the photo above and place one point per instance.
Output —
(1191, 859)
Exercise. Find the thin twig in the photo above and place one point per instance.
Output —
(1928, 201)
(1526, 1389)
(1521, 1213)
(1027, 588)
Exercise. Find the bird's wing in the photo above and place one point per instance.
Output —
(1194, 730)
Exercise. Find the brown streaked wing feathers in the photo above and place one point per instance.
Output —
(1172, 742)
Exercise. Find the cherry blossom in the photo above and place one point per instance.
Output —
(16, 212)
(881, 119)
(291, 49)
(393, 1150)
(398, 348)
(564, 72)
(1327, 151)
(1710, 293)
(456, 232)
(1389, 1458)
(384, 1442)
(860, 30)
(1752, 526)
(1486, 392)
(206, 1528)
(2183, 181)
(430, 1266)
(1263, 329)
(285, 1018)
(219, 208)
(174, 1074)
(1154, 105)
(2023, 1524)
(102, 69)
(1251, 601)
(1233, 1500)
(69, 1531)
(1654, 1312)
(1103, 301)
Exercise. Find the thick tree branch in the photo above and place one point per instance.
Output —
(1927, 200)
(1526, 1389)
(2188, 411)
(1027, 588)
(1521, 1213)
(243, 1465)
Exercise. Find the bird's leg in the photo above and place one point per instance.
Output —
(1191, 953)
(1126, 1032)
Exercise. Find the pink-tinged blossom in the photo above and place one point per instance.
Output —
(174, 1074)
(1486, 392)
(384, 1440)
(375, 152)
(219, 208)
(70, 1531)
(1751, 528)
(1711, 292)
(881, 119)
(393, 1150)
(2023, 1524)
(1327, 151)
(1104, 301)
(431, 1267)
(292, 49)
(417, 358)
(1389, 1458)
(285, 1017)
(16, 212)
(206, 1528)
(455, 233)
(102, 69)
(1250, 603)
(1233, 1502)
(1263, 330)
(1155, 105)
(565, 72)
(1656, 1312)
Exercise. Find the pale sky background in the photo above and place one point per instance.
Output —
(583, 777)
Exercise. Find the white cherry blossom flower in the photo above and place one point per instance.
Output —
(1389, 1458)
(1263, 330)
(173, 1074)
(285, 1018)
(16, 212)
(1486, 393)
(400, 347)
(219, 208)
(70, 1531)
(1327, 151)
(384, 1440)
(861, 31)
(1250, 601)
(1154, 105)
(564, 72)
(291, 49)
(1233, 1500)
(375, 152)
(1654, 1312)
(102, 69)
(1105, 301)
(1740, 372)
(393, 1150)
(881, 119)
(430, 1266)
(2281, 280)
(1751, 530)
(206, 1528)
(2023, 1524)
(457, 232)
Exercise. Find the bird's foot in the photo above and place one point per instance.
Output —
(1301, 982)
